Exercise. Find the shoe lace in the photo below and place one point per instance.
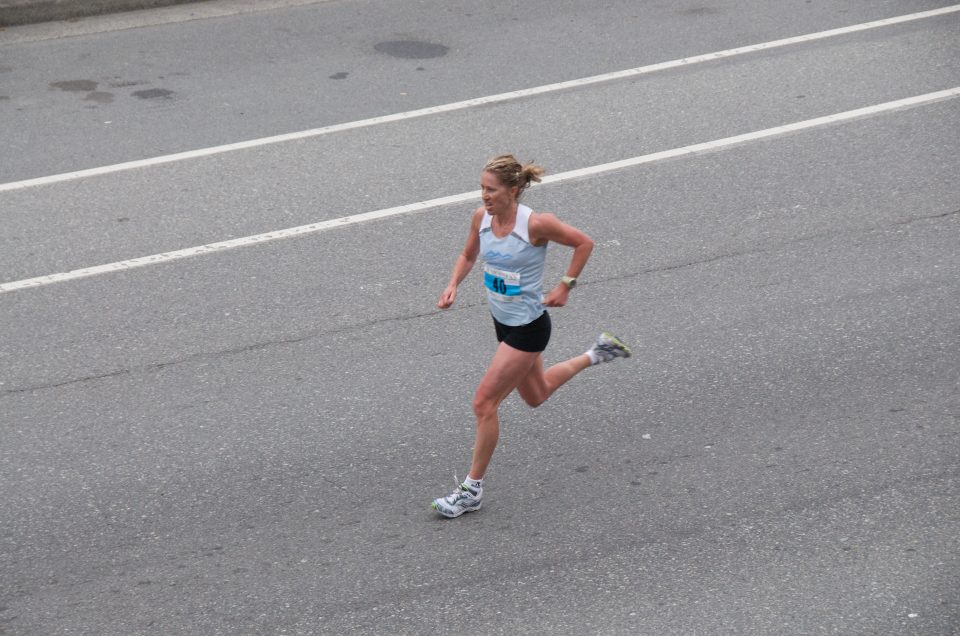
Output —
(605, 350)
(458, 492)
(608, 349)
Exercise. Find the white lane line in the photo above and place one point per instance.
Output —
(475, 195)
(470, 103)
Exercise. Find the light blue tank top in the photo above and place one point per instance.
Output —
(513, 271)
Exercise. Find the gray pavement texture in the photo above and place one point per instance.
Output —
(20, 12)
(247, 442)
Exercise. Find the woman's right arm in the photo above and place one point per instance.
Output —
(464, 263)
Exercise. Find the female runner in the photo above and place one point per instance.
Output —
(513, 242)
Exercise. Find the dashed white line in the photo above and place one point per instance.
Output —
(421, 206)
(470, 103)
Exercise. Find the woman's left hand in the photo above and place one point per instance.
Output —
(557, 296)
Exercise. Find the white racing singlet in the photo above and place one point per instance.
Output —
(513, 271)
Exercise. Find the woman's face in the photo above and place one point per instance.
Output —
(497, 198)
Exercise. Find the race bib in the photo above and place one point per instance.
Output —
(503, 284)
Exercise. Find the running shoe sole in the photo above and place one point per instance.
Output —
(453, 515)
(619, 344)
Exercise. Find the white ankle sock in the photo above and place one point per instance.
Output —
(594, 358)
(475, 484)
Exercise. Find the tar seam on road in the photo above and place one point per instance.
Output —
(421, 206)
(470, 103)
(363, 327)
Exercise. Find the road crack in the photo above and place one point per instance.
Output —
(363, 326)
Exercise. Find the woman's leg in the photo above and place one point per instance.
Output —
(539, 385)
(507, 369)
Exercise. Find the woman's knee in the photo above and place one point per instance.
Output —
(533, 399)
(534, 390)
(484, 406)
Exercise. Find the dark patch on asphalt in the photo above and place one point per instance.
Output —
(119, 83)
(420, 68)
(340, 75)
(153, 93)
(4, 98)
(5, 69)
(101, 97)
(75, 86)
(412, 49)
(581, 469)
(698, 11)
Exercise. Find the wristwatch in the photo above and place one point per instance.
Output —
(569, 281)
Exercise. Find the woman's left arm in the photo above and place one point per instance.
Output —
(547, 227)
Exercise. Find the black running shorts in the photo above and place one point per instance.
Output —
(532, 337)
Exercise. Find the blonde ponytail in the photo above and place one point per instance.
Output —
(511, 173)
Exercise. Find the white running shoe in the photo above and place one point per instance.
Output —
(463, 499)
(609, 347)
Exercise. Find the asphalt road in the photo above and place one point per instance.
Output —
(247, 442)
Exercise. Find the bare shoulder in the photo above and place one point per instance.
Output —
(541, 226)
(536, 218)
(477, 217)
(547, 227)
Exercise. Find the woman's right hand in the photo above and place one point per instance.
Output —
(447, 297)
